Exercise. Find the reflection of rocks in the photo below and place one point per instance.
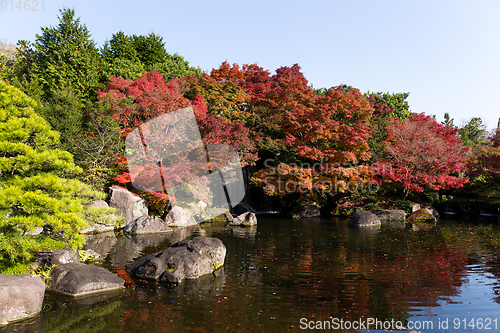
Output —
(21, 297)
(188, 259)
(422, 226)
(132, 246)
(366, 234)
(181, 234)
(206, 287)
(66, 302)
(147, 225)
(395, 224)
(244, 232)
(77, 279)
(102, 243)
(363, 218)
(35, 324)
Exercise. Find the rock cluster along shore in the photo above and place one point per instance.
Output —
(21, 296)
(365, 218)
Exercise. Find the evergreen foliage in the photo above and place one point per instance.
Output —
(37, 188)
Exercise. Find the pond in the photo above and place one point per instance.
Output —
(291, 275)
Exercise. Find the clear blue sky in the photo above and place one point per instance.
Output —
(445, 53)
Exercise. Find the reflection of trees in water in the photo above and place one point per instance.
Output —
(362, 272)
(487, 234)
(294, 269)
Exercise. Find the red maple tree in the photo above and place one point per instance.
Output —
(422, 153)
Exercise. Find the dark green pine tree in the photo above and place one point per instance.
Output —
(65, 57)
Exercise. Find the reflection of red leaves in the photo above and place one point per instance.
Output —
(121, 273)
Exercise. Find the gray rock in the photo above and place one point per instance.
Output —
(77, 279)
(388, 215)
(178, 217)
(414, 207)
(229, 217)
(363, 218)
(34, 232)
(21, 297)
(188, 259)
(127, 204)
(306, 212)
(147, 225)
(244, 220)
(98, 204)
(99, 228)
(432, 210)
(56, 257)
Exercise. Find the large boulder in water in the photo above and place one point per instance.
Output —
(21, 297)
(77, 279)
(147, 225)
(363, 218)
(188, 259)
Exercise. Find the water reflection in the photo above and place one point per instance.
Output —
(291, 269)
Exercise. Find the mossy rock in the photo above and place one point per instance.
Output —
(422, 216)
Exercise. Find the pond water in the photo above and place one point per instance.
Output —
(291, 275)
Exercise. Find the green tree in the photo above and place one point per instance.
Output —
(130, 56)
(64, 114)
(64, 56)
(37, 185)
(395, 101)
(448, 121)
(150, 49)
(473, 133)
(120, 46)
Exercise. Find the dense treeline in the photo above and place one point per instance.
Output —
(316, 143)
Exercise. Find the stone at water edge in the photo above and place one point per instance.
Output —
(147, 225)
(422, 215)
(188, 259)
(432, 210)
(55, 257)
(77, 279)
(229, 217)
(306, 212)
(244, 220)
(21, 297)
(387, 215)
(127, 204)
(363, 218)
(178, 217)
